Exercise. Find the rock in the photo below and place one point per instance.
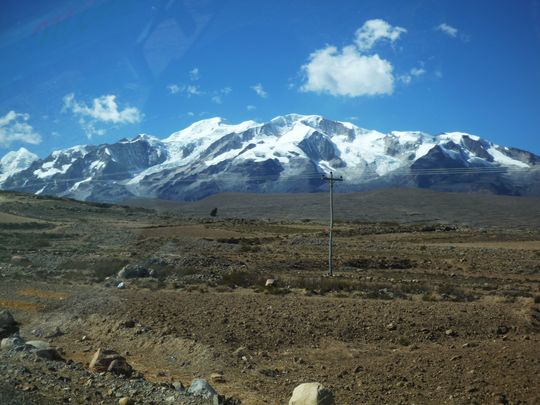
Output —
(503, 330)
(271, 282)
(20, 260)
(126, 401)
(178, 386)
(217, 378)
(109, 360)
(8, 325)
(391, 326)
(11, 342)
(312, 394)
(121, 285)
(38, 344)
(240, 352)
(201, 388)
(130, 323)
(120, 366)
(133, 271)
(49, 354)
(450, 332)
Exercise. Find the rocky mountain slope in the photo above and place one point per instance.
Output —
(287, 154)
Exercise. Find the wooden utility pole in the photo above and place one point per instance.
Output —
(331, 180)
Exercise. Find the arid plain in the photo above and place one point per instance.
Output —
(435, 297)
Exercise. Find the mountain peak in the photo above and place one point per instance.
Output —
(15, 161)
(285, 154)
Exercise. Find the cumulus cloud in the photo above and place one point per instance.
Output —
(347, 73)
(14, 127)
(103, 109)
(374, 31)
(447, 29)
(353, 71)
(259, 89)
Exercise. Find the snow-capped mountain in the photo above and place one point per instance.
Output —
(287, 154)
(15, 161)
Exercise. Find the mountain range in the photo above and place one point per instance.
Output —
(289, 153)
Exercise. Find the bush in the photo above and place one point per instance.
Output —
(238, 278)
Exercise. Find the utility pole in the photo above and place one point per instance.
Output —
(331, 180)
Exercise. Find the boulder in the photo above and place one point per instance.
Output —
(11, 342)
(20, 260)
(312, 394)
(49, 354)
(133, 271)
(38, 344)
(271, 282)
(8, 325)
(111, 361)
(201, 388)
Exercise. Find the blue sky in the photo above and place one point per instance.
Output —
(95, 71)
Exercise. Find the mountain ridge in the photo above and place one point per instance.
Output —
(286, 154)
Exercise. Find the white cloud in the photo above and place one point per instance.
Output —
(192, 90)
(218, 95)
(173, 88)
(414, 72)
(103, 109)
(14, 127)
(189, 89)
(352, 71)
(194, 74)
(418, 71)
(374, 31)
(347, 73)
(405, 79)
(259, 89)
(447, 29)
(250, 107)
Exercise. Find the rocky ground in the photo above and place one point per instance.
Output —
(415, 313)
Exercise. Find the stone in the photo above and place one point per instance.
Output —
(450, 332)
(201, 388)
(178, 386)
(11, 342)
(109, 360)
(312, 394)
(271, 282)
(8, 325)
(217, 378)
(121, 285)
(126, 401)
(38, 344)
(391, 326)
(20, 260)
(49, 354)
(133, 271)
(120, 366)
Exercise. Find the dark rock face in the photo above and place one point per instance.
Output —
(8, 325)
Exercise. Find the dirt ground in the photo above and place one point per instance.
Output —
(414, 314)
